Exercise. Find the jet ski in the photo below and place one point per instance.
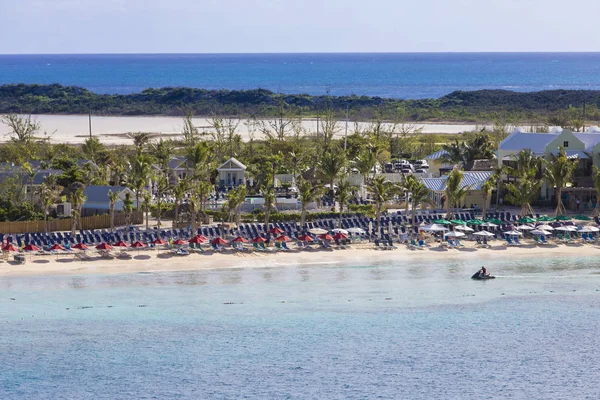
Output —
(479, 277)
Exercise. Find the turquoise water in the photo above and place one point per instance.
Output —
(327, 331)
(397, 75)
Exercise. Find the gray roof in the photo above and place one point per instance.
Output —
(99, 194)
(589, 139)
(518, 141)
(38, 179)
(176, 162)
(233, 161)
(437, 155)
(472, 179)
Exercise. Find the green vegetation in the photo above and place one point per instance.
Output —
(557, 107)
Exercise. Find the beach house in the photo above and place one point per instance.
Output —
(583, 146)
(98, 202)
(471, 180)
(232, 173)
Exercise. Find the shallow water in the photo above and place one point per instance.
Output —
(328, 331)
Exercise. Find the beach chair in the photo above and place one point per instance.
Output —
(536, 239)
(285, 247)
(458, 243)
(517, 241)
(421, 244)
(451, 243)
(567, 237)
(543, 239)
(509, 241)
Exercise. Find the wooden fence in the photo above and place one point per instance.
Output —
(63, 225)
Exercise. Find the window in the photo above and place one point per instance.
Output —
(565, 144)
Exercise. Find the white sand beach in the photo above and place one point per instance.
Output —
(113, 130)
(151, 261)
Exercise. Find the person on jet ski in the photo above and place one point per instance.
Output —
(483, 272)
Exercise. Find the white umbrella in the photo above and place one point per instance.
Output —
(454, 234)
(338, 230)
(513, 233)
(540, 232)
(356, 230)
(589, 229)
(489, 225)
(545, 227)
(463, 228)
(525, 227)
(483, 233)
(317, 231)
(572, 228)
(562, 228)
(434, 228)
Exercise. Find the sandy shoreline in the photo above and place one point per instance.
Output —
(113, 130)
(147, 261)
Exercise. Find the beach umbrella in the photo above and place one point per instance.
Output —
(202, 237)
(483, 233)
(562, 229)
(103, 246)
(317, 231)
(31, 247)
(259, 239)
(356, 230)
(463, 228)
(197, 239)
(474, 222)
(526, 220)
(219, 240)
(540, 232)
(339, 236)
(513, 233)
(545, 227)
(458, 222)
(325, 237)
(453, 234)
(434, 228)
(563, 218)
(305, 238)
(179, 242)
(56, 247)
(494, 221)
(581, 218)
(275, 231)
(120, 243)
(338, 230)
(283, 238)
(159, 242)
(138, 245)
(546, 218)
(589, 229)
(489, 225)
(240, 239)
(9, 247)
(80, 246)
(442, 222)
(525, 227)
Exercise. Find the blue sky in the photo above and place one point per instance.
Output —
(250, 26)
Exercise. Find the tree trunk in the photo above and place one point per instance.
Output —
(596, 210)
(484, 205)
(341, 212)
(267, 215)
(193, 216)
(302, 216)
(238, 215)
(159, 211)
(560, 207)
(112, 218)
(147, 219)
(378, 217)
(414, 211)
(177, 214)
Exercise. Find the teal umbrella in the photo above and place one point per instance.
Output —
(494, 221)
(458, 222)
(526, 220)
(581, 218)
(474, 222)
(546, 218)
(442, 222)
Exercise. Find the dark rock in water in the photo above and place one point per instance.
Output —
(109, 306)
(388, 298)
(12, 298)
(143, 305)
(84, 307)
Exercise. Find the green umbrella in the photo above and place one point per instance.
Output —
(545, 218)
(494, 221)
(458, 222)
(442, 222)
(563, 218)
(474, 222)
(581, 218)
(525, 220)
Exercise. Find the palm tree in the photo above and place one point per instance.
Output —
(268, 193)
(526, 187)
(147, 202)
(113, 197)
(343, 193)
(140, 140)
(381, 192)
(596, 182)
(178, 192)
(140, 175)
(128, 207)
(77, 198)
(419, 193)
(308, 192)
(46, 200)
(455, 191)
(560, 172)
(235, 199)
(31, 173)
(331, 165)
(162, 187)
(487, 188)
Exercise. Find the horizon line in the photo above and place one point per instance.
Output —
(303, 53)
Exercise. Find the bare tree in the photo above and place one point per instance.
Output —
(190, 132)
(22, 128)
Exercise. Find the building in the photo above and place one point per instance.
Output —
(98, 202)
(583, 146)
(232, 173)
(437, 167)
(473, 180)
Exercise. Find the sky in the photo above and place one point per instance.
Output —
(274, 26)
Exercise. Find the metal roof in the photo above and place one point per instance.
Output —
(437, 155)
(472, 179)
(99, 194)
(571, 154)
(589, 139)
(518, 141)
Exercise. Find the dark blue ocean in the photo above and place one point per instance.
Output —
(397, 75)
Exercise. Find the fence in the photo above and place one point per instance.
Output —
(62, 225)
